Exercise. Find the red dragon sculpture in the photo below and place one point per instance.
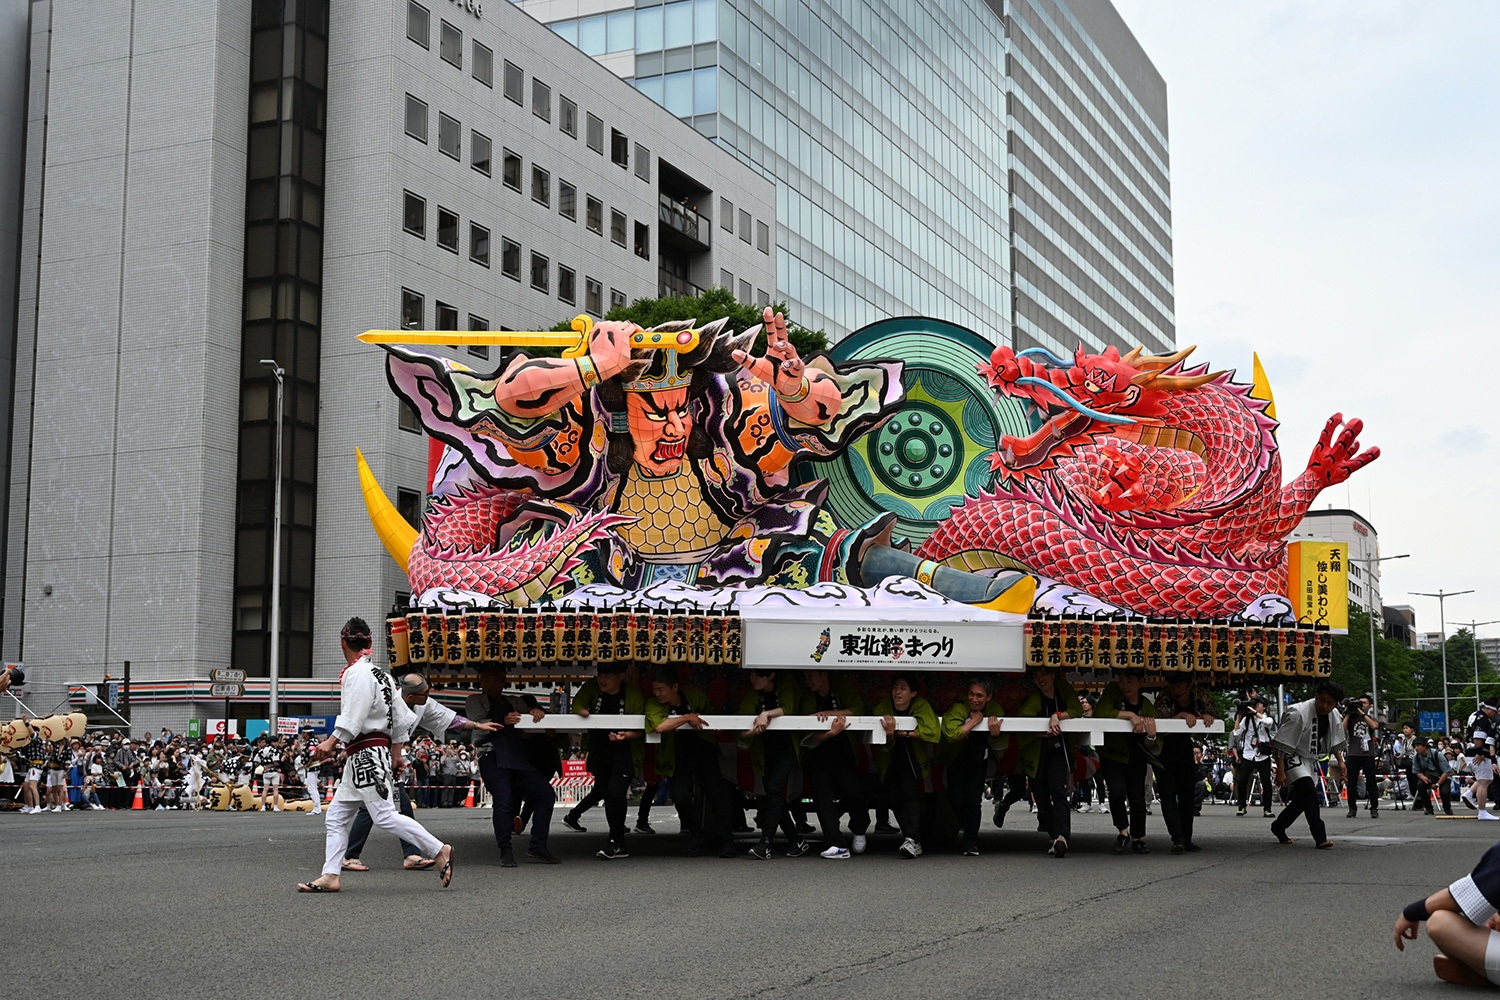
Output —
(1150, 485)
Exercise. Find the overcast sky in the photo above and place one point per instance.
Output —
(1335, 168)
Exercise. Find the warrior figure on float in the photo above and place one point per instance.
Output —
(660, 454)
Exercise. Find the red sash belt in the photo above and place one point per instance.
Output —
(367, 740)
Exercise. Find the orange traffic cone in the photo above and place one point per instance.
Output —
(1343, 794)
(329, 799)
(140, 798)
(469, 799)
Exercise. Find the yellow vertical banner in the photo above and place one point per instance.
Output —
(1318, 583)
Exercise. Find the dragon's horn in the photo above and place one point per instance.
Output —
(396, 535)
(1148, 362)
(1172, 383)
(1262, 387)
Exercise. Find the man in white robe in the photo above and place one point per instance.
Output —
(374, 724)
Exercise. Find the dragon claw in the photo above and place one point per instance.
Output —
(1336, 458)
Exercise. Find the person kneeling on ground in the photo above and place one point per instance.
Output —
(1462, 921)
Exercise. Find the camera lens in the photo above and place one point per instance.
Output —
(17, 675)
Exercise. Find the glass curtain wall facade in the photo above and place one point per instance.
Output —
(1001, 164)
(883, 125)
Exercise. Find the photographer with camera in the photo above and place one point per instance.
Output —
(1250, 744)
(1362, 729)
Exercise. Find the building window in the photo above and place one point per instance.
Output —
(479, 323)
(540, 269)
(643, 241)
(449, 131)
(642, 162)
(761, 298)
(616, 299)
(447, 229)
(484, 64)
(595, 136)
(416, 118)
(409, 506)
(479, 247)
(744, 295)
(451, 45)
(763, 237)
(249, 612)
(593, 294)
(408, 419)
(594, 215)
(541, 100)
(726, 214)
(414, 215)
(480, 150)
(510, 169)
(567, 284)
(744, 225)
(412, 308)
(510, 258)
(617, 227)
(619, 149)
(418, 24)
(567, 116)
(567, 201)
(726, 280)
(541, 186)
(447, 316)
(515, 82)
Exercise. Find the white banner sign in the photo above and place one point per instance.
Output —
(870, 640)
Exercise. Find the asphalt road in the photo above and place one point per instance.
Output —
(169, 904)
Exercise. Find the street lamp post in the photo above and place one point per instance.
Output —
(1443, 644)
(1474, 641)
(277, 372)
(1370, 562)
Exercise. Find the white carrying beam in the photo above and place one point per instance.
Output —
(871, 724)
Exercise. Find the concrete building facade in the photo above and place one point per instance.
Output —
(213, 185)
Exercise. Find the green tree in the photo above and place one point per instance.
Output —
(1397, 669)
(713, 303)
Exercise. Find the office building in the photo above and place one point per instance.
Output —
(210, 186)
(1002, 165)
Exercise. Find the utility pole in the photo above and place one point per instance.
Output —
(1443, 645)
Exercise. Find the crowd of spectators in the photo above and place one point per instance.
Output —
(104, 770)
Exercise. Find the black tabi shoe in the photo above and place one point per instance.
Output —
(572, 823)
(1121, 843)
(507, 858)
(543, 856)
(1139, 847)
(641, 826)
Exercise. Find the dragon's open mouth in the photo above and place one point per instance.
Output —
(1064, 427)
(1031, 451)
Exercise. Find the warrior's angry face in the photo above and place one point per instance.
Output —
(660, 423)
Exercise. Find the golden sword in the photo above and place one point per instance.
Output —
(574, 343)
